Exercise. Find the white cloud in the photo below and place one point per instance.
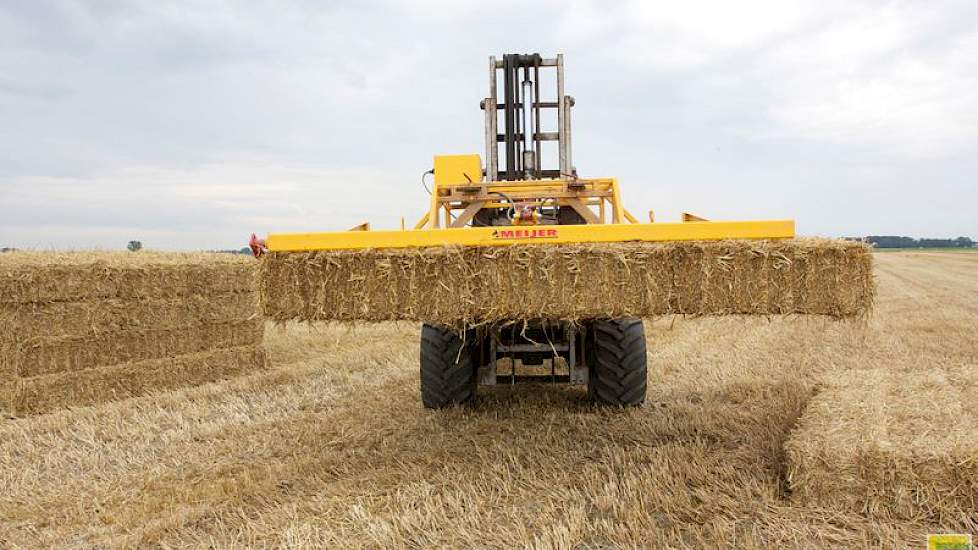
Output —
(198, 123)
(886, 78)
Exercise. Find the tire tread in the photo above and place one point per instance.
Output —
(619, 369)
(447, 368)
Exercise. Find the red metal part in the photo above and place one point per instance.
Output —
(257, 245)
(526, 214)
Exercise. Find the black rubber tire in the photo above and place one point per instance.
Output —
(618, 366)
(448, 371)
(566, 215)
(489, 217)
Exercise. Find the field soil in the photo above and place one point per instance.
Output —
(330, 447)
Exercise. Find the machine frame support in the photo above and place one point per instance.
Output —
(506, 342)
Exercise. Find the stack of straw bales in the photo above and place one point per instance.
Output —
(84, 327)
(891, 445)
(472, 285)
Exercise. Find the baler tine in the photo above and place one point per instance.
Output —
(520, 201)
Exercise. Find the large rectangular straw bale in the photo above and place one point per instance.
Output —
(40, 356)
(26, 321)
(468, 285)
(71, 389)
(891, 445)
(38, 277)
(8, 384)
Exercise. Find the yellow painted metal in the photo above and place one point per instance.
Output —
(550, 185)
(423, 221)
(458, 195)
(434, 215)
(458, 169)
(687, 217)
(617, 210)
(542, 234)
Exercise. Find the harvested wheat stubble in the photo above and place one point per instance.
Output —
(56, 391)
(40, 356)
(39, 277)
(64, 319)
(469, 285)
(891, 445)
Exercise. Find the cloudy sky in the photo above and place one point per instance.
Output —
(192, 124)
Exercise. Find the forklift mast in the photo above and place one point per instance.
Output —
(522, 109)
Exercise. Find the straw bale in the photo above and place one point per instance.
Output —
(25, 321)
(71, 389)
(891, 445)
(471, 285)
(7, 390)
(39, 277)
(39, 356)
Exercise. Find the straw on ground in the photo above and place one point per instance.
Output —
(331, 448)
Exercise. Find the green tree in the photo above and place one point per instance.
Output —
(134, 246)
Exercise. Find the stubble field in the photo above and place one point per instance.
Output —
(330, 446)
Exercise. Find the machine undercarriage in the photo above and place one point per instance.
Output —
(523, 194)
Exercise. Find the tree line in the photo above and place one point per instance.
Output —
(892, 241)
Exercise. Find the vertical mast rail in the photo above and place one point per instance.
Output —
(492, 144)
(536, 113)
(561, 118)
(522, 136)
(508, 73)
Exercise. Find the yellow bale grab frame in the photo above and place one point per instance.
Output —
(517, 197)
(597, 201)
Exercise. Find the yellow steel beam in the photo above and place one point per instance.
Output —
(539, 186)
(583, 210)
(617, 210)
(525, 194)
(588, 201)
(433, 214)
(509, 235)
(423, 221)
(550, 184)
(467, 214)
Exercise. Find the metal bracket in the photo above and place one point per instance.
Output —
(578, 367)
(487, 373)
(567, 347)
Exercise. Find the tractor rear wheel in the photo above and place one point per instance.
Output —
(566, 215)
(617, 362)
(448, 370)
